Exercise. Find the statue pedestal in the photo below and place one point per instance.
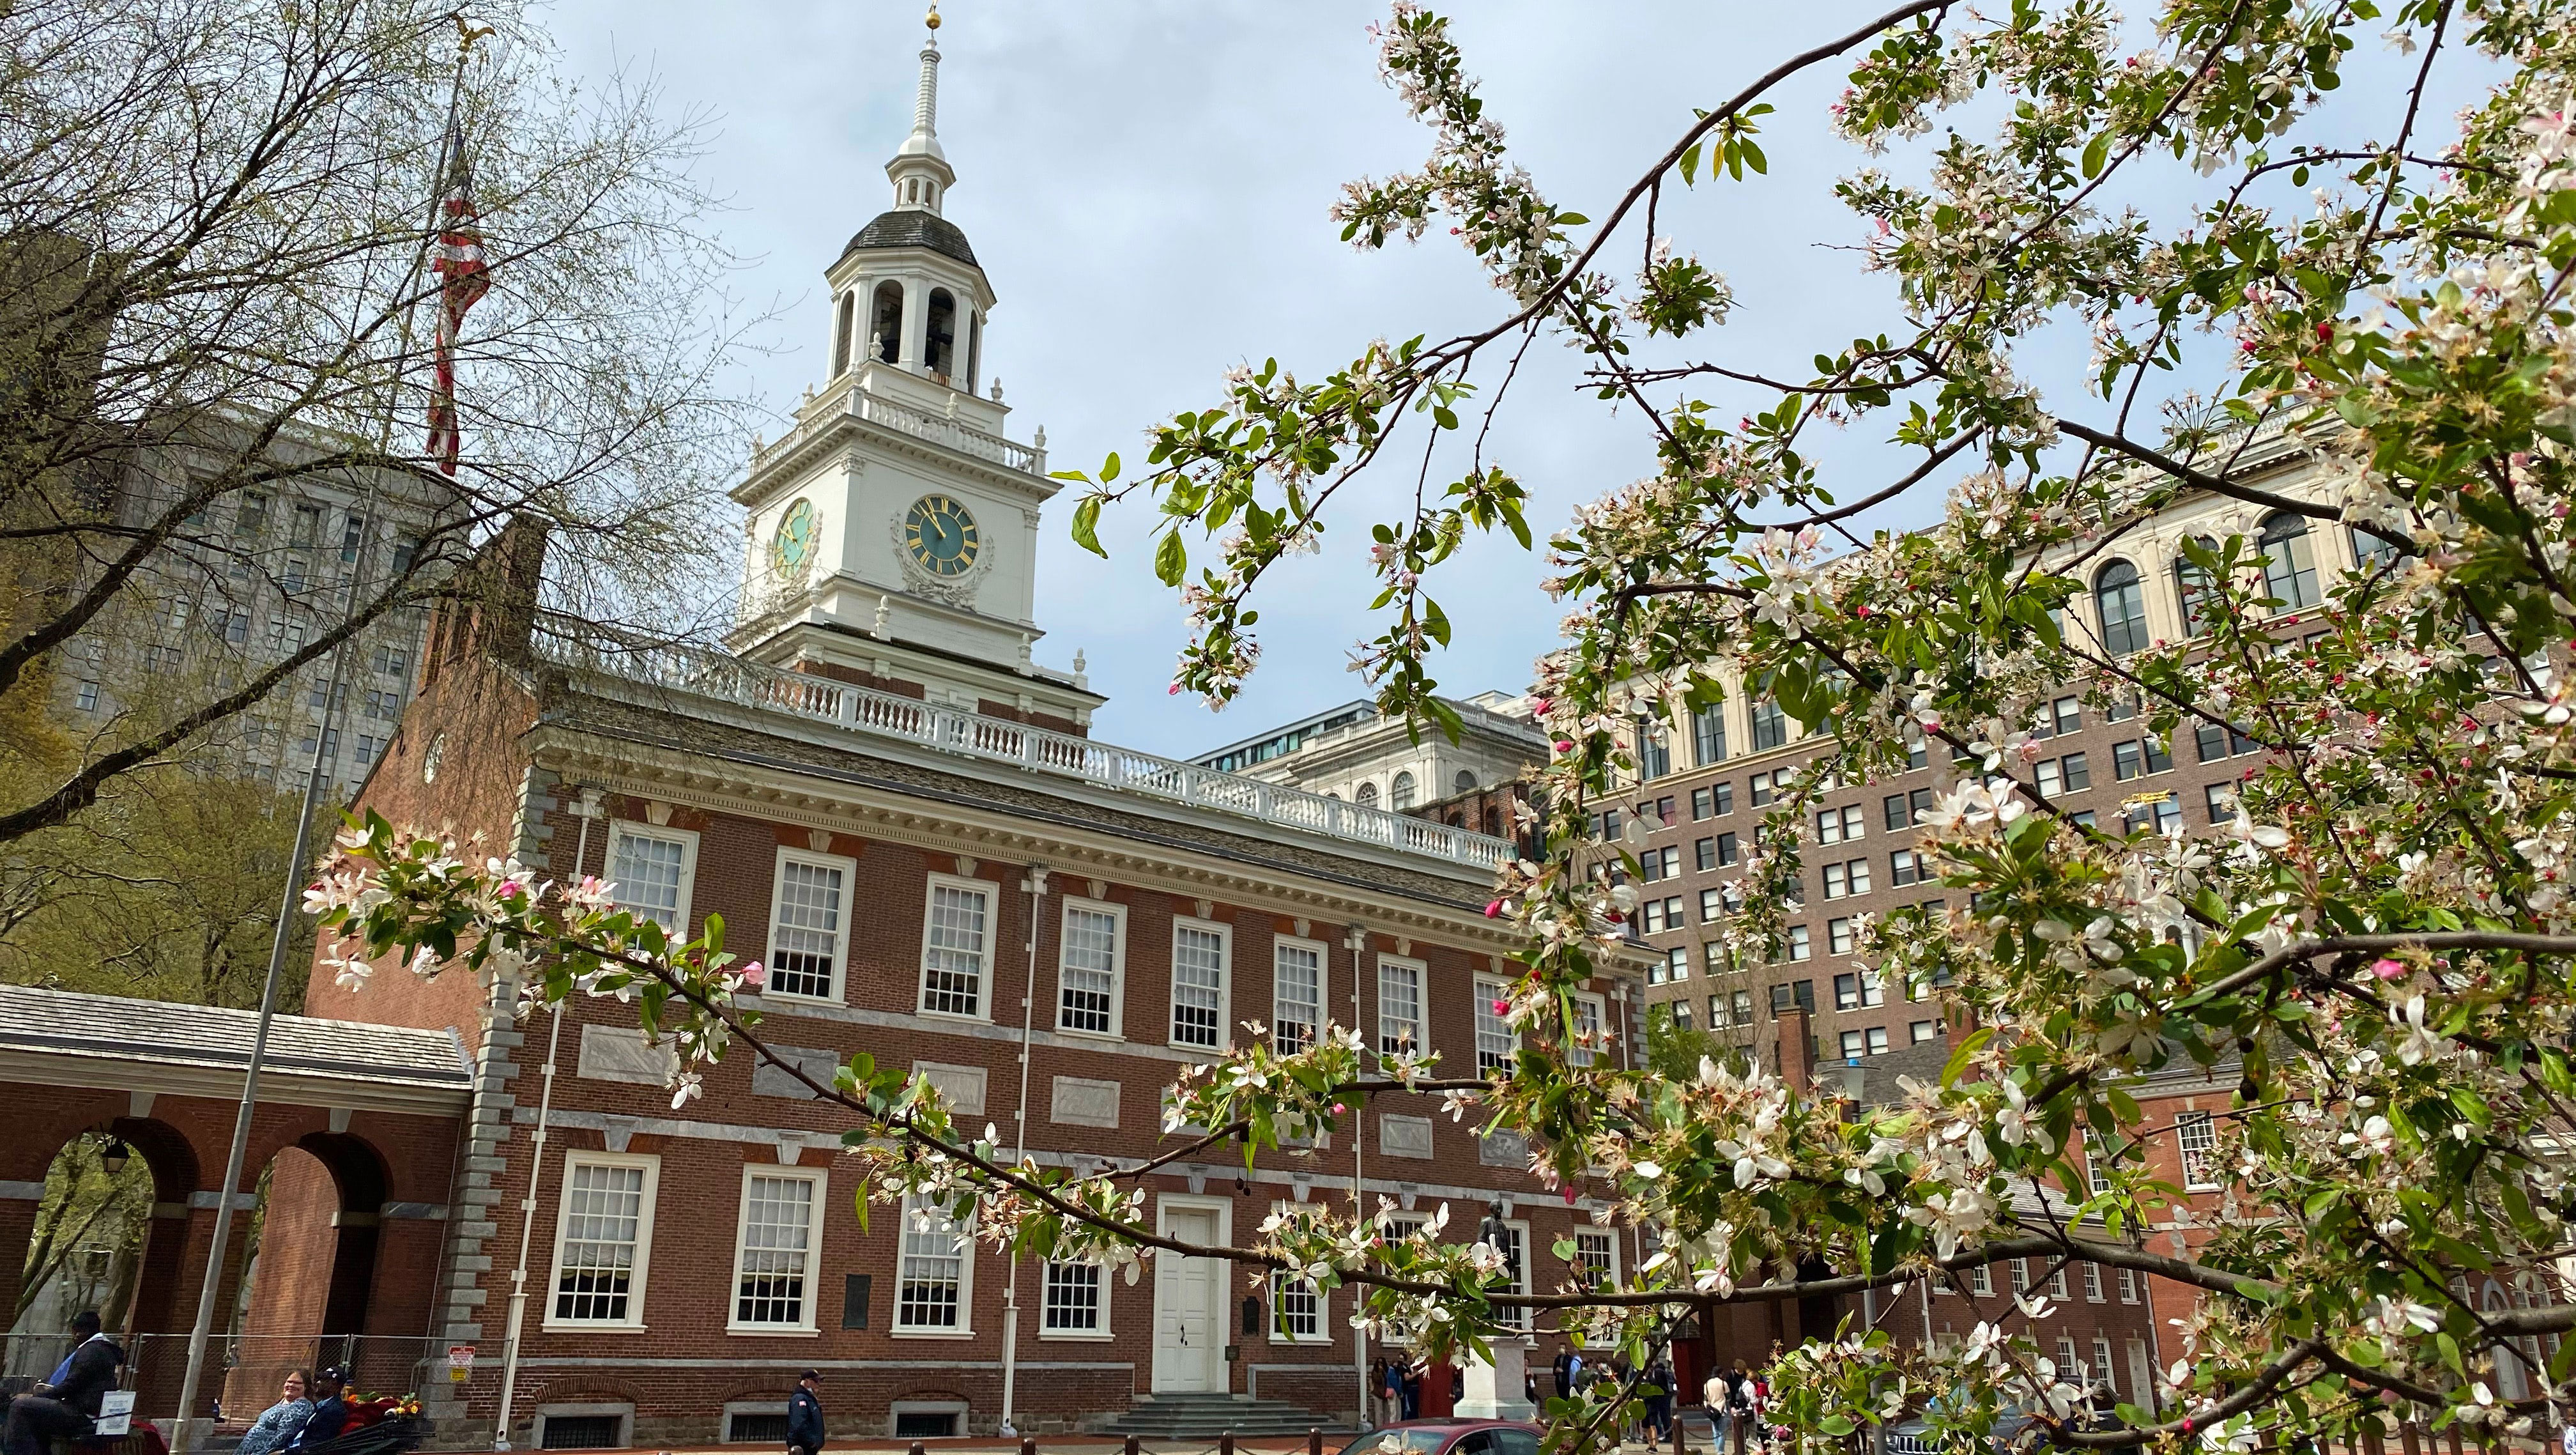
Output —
(1497, 1391)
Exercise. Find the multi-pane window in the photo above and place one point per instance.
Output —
(2070, 774)
(87, 699)
(2123, 608)
(2371, 550)
(1708, 735)
(1981, 1280)
(1921, 1031)
(1904, 867)
(2069, 1368)
(1676, 965)
(603, 1234)
(1589, 1021)
(954, 945)
(2139, 757)
(807, 926)
(1662, 863)
(1846, 879)
(2102, 1359)
(2221, 800)
(1087, 969)
(1871, 1042)
(772, 1261)
(931, 1279)
(1840, 825)
(1712, 902)
(1297, 994)
(1296, 1308)
(650, 868)
(1762, 788)
(1704, 854)
(1728, 850)
(1794, 995)
(1596, 1258)
(2092, 1283)
(1496, 1042)
(1399, 1007)
(2216, 741)
(2289, 561)
(2053, 719)
(2196, 1135)
(2163, 813)
(1076, 1299)
(1198, 985)
(1860, 990)
(1838, 935)
(1904, 810)
(2097, 1164)
(1796, 943)
(2195, 592)
(2057, 1282)
(1678, 1013)
(1654, 751)
(2128, 1285)
(1770, 725)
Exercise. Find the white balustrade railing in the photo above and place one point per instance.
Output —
(701, 673)
(894, 414)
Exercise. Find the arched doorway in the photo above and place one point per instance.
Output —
(310, 1265)
(85, 1252)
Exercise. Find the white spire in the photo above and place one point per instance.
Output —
(920, 170)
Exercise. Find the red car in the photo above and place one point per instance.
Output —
(1448, 1437)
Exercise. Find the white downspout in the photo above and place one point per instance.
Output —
(1356, 939)
(589, 812)
(1035, 885)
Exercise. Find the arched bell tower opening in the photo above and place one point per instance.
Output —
(841, 325)
(886, 322)
(939, 341)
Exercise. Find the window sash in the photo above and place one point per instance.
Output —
(954, 939)
(651, 871)
(931, 1276)
(806, 926)
(1087, 960)
(1296, 1308)
(1496, 1042)
(1297, 994)
(773, 1249)
(603, 1234)
(1399, 1008)
(1077, 1299)
(1198, 985)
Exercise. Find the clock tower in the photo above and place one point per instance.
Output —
(891, 537)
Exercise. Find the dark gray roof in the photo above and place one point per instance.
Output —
(112, 1028)
(913, 227)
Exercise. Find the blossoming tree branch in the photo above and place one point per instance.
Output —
(2377, 952)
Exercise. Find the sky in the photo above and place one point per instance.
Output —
(1146, 185)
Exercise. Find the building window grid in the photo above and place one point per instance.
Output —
(1076, 1299)
(650, 869)
(1496, 1042)
(1297, 994)
(953, 949)
(1087, 970)
(1296, 1308)
(932, 1275)
(2196, 1138)
(805, 929)
(601, 1244)
(1198, 986)
(776, 1242)
(1399, 1007)
(2092, 1283)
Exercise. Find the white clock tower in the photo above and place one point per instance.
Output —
(892, 532)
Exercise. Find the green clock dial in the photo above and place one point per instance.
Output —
(793, 546)
(940, 536)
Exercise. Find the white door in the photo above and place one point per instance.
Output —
(1189, 1308)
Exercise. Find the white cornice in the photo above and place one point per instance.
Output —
(224, 1083)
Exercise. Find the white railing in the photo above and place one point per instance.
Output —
(697, 672)
(893, 414)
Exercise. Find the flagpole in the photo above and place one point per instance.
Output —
(186, 1426)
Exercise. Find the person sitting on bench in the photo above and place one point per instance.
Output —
(330, 1408)
(66, 1404)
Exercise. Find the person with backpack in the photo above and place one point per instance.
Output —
(1659, 1400)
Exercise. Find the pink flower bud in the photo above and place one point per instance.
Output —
(1494, 909)
(2387, 969)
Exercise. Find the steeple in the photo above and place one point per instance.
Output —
(920, 169)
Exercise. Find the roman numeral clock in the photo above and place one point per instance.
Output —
(942, 547)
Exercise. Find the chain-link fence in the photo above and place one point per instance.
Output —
(243, 1375)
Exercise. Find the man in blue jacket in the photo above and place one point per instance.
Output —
(805, 1415)
(66, 1404)
(330, 1409)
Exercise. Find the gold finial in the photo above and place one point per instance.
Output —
(933, 21)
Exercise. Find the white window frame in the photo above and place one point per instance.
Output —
(637, 1278)
(1224, 986)
(2093, 1283)
(984, 977)
(965, 1282)
(1276, 1329)
(2208, 1123)
(849, 871)
(1609, 1238)
(815, 1178)
(1421, 1022)
(1102, 1334)
(1323, 954)
(1117, 968)
(688, 842)
(1599, 1008)
(1491, 988)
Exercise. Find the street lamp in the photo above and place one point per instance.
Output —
(114, 1158)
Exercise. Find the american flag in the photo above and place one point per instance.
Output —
(463, 278)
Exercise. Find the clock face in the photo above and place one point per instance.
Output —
(793, 546)
(940, 536)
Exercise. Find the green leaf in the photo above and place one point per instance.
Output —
(1086, 526)
(2096, 152)
(1109, 468)
(1171, 559)
(1690, 163)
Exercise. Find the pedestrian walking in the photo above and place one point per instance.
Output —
(1659, 1400)
(805, 1415)
(1714, 1397)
